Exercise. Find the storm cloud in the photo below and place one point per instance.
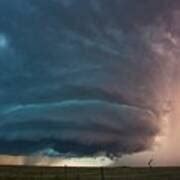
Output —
(83, 76)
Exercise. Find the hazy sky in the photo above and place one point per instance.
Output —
(87, 78)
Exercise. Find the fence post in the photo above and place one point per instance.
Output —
(77, 174)
(65, 172)
(77, 177)
(102, 173)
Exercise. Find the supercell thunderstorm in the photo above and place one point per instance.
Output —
(84, 76)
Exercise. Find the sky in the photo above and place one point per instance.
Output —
(89, 82)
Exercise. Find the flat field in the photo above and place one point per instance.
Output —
(67, 173)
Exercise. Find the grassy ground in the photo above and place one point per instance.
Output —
(37, 173)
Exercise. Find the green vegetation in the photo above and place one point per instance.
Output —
(66, 173)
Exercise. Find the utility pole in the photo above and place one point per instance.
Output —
(150, 163)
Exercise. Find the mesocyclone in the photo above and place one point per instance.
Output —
(81, 77)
